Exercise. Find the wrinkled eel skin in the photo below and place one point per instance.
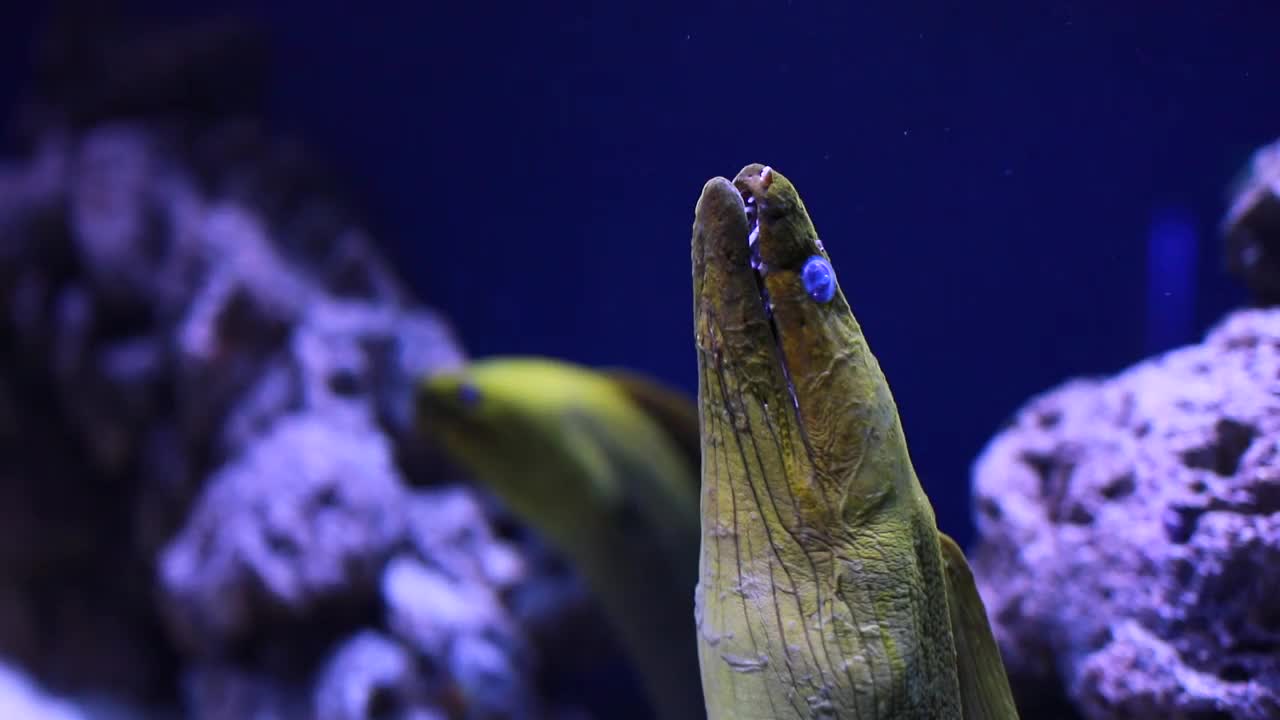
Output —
(825, 587)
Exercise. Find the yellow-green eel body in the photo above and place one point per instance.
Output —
(604, 465)
(825, 589)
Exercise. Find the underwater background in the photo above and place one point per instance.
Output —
(1013, 194)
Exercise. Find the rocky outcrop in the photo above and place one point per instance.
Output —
(1130, 534)
(214, 505)
(1252, 227)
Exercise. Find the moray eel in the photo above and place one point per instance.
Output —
(604, 465)
(825, 589)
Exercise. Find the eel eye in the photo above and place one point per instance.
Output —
(468, 395)
(819, 279)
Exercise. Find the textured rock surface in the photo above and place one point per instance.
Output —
(1130, 534)
(1252, 227)
(212, 503)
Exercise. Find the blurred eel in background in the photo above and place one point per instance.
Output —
(604, 465)
(826, 589)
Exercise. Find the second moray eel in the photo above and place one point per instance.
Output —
(604, 465)
(825, 587)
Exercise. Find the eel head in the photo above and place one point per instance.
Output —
(788, 388)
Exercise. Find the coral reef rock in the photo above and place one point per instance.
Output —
(1130, 534)
(213, 503)
(1252, 227)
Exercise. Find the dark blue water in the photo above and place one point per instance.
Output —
(984, 175)
(1171, 279)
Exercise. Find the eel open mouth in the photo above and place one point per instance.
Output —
(780, 353)
(754, 190)
(747, 186)
(762, 181)
(770, 315)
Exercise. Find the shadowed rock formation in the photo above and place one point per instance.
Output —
(212, 501)
(1130, 534)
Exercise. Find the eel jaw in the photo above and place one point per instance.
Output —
(754, 186)
(735, 327)
(749, 186)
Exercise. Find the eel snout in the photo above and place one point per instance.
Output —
(777, 335)
(733, 331)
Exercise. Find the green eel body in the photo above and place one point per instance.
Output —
(825, 589)
(604, 465)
